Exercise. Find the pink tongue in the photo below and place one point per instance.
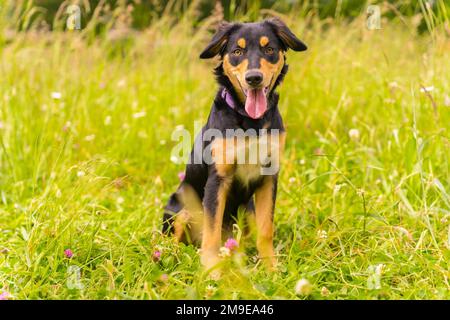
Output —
(256, 103)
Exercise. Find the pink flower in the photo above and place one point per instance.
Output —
(5, 295)
(231, 244)
(157, 255)
(68, 253)
(181, 175)
(164, 277)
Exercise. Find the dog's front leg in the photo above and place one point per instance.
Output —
(265, 197)
(216, 191)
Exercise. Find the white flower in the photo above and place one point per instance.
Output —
(302, 162)
(374, 278)
(303, 287)
(337, 188)
(120, 200)
(90, 137)
(447, 100)
(210, 290)
(139, 114)
(56, 95)
(80, 174)
(291, 180)
(121, 83)
(107, 121)
(322, 234)
(324, 291)
(353, 134)
(427, 89)
(393, 84)
(224, 252)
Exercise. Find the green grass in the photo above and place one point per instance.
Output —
(91, 171)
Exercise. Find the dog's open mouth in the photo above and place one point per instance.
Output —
(256, 102)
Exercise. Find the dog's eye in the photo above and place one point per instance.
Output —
(238, 52)
(268, 50)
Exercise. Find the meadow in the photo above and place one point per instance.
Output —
(363, 209)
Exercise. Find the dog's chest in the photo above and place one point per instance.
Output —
(247, 158)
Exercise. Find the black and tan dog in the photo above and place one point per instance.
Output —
(252, 65)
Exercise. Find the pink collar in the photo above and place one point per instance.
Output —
(228, 98)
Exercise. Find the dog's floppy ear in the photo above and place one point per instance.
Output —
(285, 35)
(219, 40)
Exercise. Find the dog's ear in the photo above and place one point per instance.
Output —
(219, 40)
(287, 38)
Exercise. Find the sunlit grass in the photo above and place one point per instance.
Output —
(90, 169)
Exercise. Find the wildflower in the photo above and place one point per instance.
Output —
(393, 85)
(156, 255)
(164, 277)
(210, 290)
(303, 287)
(224, 252)
(324, 291)
(121, 83)
(139, 114)
(80, 174)
(56, 95)
(5, 295)
(68, 253)
(427, 89)
(353, 134)
(107, 121)
(322, 234)
(120, 200)
(67, 126)
(181, 175)
(90, 137)
(318, 152)
(447, 101)
(374, 279)
(291, 180)
(337, 188)
(302, 162)
(231, 244)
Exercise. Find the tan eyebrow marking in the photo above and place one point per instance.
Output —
(263, 41)
(241, 43)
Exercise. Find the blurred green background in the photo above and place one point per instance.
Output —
(142, 13)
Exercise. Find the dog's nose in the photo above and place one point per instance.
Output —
(254, 78)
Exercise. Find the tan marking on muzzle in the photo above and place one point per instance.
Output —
(271, 71)
(236, 74)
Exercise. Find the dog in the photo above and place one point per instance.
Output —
(252, 65)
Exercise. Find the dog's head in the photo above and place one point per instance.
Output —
(253, 59)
